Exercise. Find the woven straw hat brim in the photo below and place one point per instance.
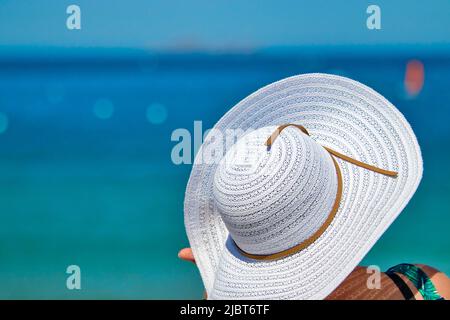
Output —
(341, 114)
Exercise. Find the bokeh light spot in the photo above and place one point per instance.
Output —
(156, 113)
(414, 77)
(4, 122)
(103, 108)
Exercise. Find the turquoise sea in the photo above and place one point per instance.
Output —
(86, 176)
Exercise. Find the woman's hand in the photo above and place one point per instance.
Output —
(186, 255)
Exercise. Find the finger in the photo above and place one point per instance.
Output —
(186, 254)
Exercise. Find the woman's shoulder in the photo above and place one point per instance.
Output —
(393, 283)
(440, 280)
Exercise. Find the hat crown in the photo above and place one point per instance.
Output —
(273, 199)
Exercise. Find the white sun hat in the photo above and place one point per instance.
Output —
(321, 165)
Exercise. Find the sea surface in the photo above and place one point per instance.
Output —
(86, 176)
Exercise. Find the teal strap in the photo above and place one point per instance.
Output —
(419, 278)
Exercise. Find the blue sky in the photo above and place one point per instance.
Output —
(222, 24)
